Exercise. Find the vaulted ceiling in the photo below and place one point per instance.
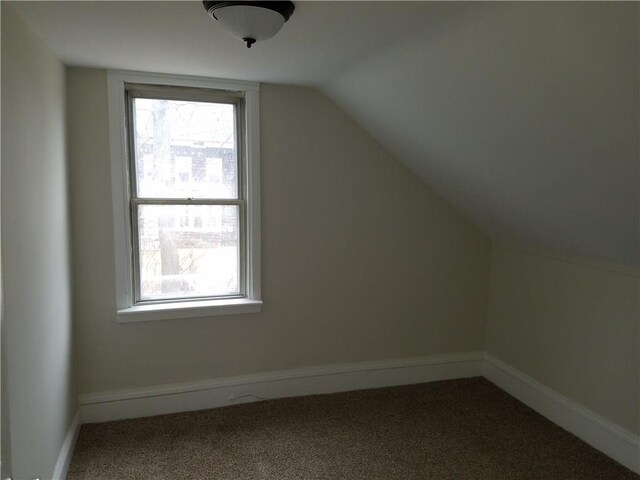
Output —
(524, 116)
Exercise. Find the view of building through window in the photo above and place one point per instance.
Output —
(186, 158)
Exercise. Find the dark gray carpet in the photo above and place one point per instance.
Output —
(458, 429)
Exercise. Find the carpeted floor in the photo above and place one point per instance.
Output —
(458, 429)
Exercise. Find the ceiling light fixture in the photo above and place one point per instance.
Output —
(250, 21)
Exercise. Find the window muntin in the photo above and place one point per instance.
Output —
(186, 193)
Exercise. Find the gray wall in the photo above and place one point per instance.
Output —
(571, 324)
(360, 260)
(35, 250)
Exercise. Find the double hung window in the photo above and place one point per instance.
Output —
(185, 183)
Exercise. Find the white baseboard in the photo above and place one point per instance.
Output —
(66, 451)
(181, 397)
(614, 441)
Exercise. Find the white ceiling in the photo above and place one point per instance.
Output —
(320, 40)
(523, 115)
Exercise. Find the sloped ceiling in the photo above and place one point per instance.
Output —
(524, 116)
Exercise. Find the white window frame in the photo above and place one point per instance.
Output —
(127, 311)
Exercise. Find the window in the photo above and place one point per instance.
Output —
(185, 172)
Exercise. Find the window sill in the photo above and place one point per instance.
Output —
(196, 309)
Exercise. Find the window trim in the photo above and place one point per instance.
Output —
(127, 311)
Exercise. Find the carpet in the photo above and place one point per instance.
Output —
(456, 429)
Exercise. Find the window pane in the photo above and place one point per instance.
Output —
(185, 149)
(188, 251)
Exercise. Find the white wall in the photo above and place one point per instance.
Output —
(360, 260)
(35, 251)
(572, 325)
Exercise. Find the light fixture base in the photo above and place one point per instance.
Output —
(283, 8)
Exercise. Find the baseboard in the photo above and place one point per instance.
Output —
(201, 395)
(614, 441)
(66, 451)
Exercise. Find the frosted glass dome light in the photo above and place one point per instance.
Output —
(250, 21)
